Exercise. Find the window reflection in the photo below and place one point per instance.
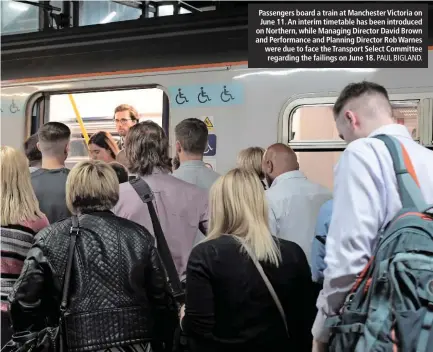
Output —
(17, 17)
(165, 10)
(100, 12)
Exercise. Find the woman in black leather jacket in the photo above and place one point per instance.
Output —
(118, 296)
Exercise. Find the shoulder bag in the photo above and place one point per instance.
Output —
(140, 186)
(268, 285)
(50, 339)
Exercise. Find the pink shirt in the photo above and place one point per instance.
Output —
(15, 243)
(180, 206)
(36, 225)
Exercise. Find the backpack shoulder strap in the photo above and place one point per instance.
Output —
(407, 181)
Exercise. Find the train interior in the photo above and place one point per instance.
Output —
(95, 109)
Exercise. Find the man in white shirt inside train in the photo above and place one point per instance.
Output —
(366, 198)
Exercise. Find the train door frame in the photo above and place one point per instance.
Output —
(43, 99)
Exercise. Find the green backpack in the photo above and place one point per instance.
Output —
(390, 307)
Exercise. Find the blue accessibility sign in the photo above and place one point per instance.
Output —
(211, 145)
(206, 95)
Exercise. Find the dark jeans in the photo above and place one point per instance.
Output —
(6, 328)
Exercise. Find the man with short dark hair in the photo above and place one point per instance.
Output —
(182, 207)
(366, 196)
(125, 116)
(32, 152)
(191, 143)
(49, 182)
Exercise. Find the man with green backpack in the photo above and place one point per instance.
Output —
(378, 284)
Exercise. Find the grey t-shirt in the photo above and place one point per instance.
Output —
(50, 189)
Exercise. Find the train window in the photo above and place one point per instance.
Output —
(316, 122)
(96, 110)
(407, 113)
(17, 17)
(313, 122)
(99, 12)
(319, 166)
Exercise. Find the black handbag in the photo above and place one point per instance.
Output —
(50, 339)
(180, 342)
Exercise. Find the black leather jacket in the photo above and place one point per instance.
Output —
(118, 293)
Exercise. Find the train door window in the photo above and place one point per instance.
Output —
(314, 136)
(96, 110)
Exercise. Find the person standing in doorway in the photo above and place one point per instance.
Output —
(125, 116)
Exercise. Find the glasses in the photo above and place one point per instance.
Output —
(122, 121)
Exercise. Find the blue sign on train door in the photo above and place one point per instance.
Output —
(211, 145)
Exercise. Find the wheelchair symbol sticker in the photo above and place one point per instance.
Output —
(211, 146)
(202, 97)
(180, 98)
(225, 95)
(13, 108)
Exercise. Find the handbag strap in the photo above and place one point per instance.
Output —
(268, 285)
(146, 195)
(74, 232)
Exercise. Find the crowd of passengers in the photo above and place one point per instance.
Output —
(215, 226)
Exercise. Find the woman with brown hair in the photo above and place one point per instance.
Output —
(102, 146)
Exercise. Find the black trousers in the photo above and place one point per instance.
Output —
(6, 328)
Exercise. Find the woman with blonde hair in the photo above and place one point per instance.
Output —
(119, 300)
(21, 219)
(246, 290)
(251, 159)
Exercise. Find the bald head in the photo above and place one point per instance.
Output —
(278, 159)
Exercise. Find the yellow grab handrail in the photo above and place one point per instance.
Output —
(79, 119)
